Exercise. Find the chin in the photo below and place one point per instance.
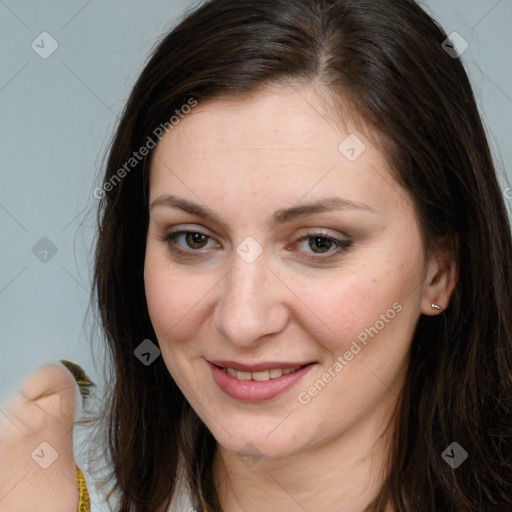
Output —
(250, 438)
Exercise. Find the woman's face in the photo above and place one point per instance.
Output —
(302, 251)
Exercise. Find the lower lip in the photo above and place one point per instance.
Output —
(256, 391)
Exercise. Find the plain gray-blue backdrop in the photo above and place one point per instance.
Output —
(66, 71)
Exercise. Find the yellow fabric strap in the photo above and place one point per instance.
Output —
(83, 496)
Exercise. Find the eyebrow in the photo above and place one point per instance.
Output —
(282, 216)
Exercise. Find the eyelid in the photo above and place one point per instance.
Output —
(172, 234)
(343, 244)
(188, 228)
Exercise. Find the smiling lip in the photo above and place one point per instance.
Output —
(254, 391)
(258, 367)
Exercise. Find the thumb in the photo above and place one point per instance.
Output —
(37, 468)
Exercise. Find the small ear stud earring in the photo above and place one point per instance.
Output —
(436, 307)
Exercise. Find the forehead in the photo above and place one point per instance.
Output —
(282, 141)
(271, 118)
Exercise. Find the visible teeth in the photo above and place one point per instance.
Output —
(260, 376)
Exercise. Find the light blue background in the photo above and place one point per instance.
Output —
(57, 117)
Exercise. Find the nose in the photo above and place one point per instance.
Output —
(251, 304)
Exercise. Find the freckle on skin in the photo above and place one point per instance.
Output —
(293, 145)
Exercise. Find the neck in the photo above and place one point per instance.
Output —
(345, 473)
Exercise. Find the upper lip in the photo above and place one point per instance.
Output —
(269, 365)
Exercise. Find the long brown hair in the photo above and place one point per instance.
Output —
(385, 57)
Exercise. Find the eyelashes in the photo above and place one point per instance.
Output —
(320, 241)
(191, 237)
(195, 244)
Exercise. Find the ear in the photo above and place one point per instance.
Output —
(441, 277)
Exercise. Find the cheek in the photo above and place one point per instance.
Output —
(334, 306)
(169, 296)
(362, 301)
(177, 300)
(168, 302)
(161, 298)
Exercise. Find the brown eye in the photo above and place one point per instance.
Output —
(196, 240)
(320, 244)
(187, 243)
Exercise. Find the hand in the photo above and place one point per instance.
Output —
(37, 468)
